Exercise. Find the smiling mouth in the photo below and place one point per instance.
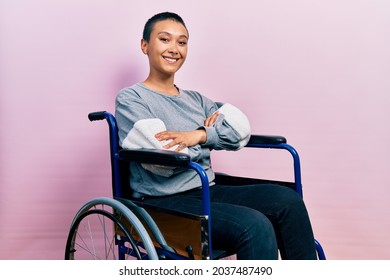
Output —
(170, 59)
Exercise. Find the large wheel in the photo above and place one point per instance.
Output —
(104, 229)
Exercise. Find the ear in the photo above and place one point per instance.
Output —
(144, 46)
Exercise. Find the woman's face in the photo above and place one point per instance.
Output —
(167, 47)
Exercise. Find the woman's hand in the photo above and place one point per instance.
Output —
(209, 121)
(182, 139)
(186, 139)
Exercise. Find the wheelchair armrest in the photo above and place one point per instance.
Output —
(155, 156)
(267, 139)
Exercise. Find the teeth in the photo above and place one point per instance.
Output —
(170, 59)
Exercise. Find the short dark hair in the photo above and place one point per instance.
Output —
(160, 17)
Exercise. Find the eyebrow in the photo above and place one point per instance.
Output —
(164, 32)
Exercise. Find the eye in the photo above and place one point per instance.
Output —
(182, 43)
(164, 40)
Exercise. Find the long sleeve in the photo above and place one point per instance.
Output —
(231, 131)
(141, 113)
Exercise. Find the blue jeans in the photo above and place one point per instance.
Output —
(254, 221)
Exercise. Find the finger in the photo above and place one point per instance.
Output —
(214, 118)
(211, 120)
(170, 145)
(164, 135)
(180, 147)
(208, 121)
(159, 135)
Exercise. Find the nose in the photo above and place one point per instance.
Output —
(173, 49)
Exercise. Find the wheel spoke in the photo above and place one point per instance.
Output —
(98, 234)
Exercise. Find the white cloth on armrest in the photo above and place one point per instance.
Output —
(238, 121)
(142, 135)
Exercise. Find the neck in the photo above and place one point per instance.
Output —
(162, 85)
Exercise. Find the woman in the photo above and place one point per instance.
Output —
(252, 220)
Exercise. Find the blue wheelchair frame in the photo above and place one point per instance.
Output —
(170, 158)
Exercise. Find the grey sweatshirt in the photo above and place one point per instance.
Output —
(141, 113)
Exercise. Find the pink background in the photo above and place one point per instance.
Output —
(317, 72)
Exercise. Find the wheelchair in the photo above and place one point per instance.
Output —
(124, 228)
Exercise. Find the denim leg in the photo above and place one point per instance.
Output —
(247, 218)
(243, 230)
(235, 228)
(283, 207)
